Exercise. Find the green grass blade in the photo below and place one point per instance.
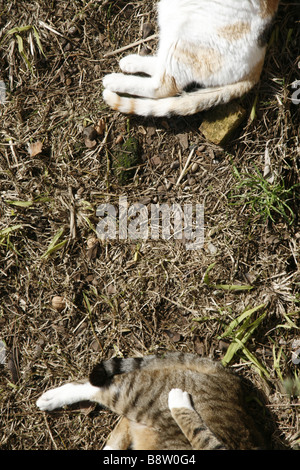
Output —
(276, 362)
(6, 231)
(261, 369)
(251, 328)
(19, 29)
(232, 287)
(240, 319)
(37, 38)
(242, 335)
(54, 246)
(226, 287)
(205, 277)
(20, 203)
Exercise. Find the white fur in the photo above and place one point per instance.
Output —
(179, 399)
(66, 395)
(198, 23)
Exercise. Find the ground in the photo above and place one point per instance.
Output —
(135, 297)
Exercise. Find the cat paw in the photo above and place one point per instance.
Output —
(113, 81)
(111, 99)
(179, 399)
(52, 399)
(130, 63)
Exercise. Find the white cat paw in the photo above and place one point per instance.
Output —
(54, 398)
(179, 399)
(113, 81)
(131, 63)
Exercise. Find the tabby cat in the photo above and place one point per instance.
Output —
(210, 51)
(172, 402)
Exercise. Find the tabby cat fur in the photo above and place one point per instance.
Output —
(214, 47)
(175, 401)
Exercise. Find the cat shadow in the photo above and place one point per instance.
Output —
(257, 406)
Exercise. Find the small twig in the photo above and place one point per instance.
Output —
(185, 166)
(130, 46)
(104, 139)
(50, 433)
(13, 152)
(72, 215)
(45, 25)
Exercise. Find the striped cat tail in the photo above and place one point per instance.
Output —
(182, 105)
(103, 372)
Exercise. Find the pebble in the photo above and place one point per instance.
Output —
(174, 165)
(195, 167)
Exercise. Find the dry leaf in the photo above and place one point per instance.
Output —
(184, 141)
(148, 29)
(119, 139)
(155, 160)
(35, 148)
(13, 364)
(93, 249)
(111, 290)
(199, 346)
(223, 345)
(100, 127)
(173, 335)
(90, 143)
(268, 173)
(90, 133)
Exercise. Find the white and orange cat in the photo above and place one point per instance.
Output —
(210, 51)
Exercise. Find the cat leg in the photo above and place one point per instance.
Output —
(135, 63)
(66, 395)
(129, 433)
(157, 86)
(120, 438)
(143, 437)
(130, 84)
(191, 423)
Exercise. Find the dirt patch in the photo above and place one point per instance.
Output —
(135, 297)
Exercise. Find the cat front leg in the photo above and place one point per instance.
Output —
(160, 86)
(130, 84)
(191, 423)
(66, 395)
(135, 63)
(179, 399)
(120, 438)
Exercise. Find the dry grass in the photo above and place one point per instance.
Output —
(130, 298)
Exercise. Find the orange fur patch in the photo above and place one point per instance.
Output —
(116, 104)
(167, 87)
(120, 437)
(143, 437)
(203, 61)
(234, 31)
